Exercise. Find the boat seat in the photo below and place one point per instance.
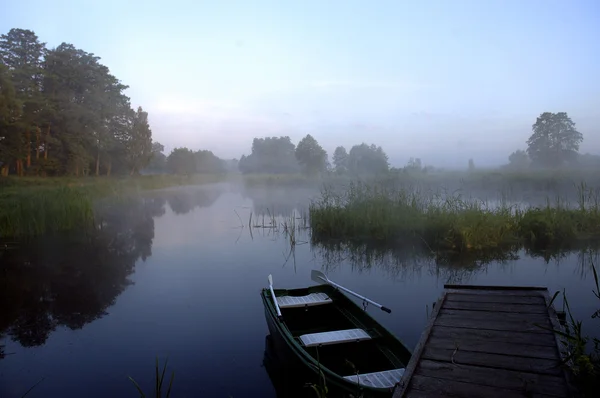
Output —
(334, 337)
(384, 379)
(303, 301)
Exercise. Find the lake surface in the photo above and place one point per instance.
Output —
(175, 274)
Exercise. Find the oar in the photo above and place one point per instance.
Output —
(320, 277)
(273, 294)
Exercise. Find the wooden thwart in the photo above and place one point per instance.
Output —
(488, 342)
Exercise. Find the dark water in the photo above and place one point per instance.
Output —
(175, 275)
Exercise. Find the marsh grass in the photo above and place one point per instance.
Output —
(34, 205)
(581, 352)
(445, 221)
(44, 210)
(159, 379)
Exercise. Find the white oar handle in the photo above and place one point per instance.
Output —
(357, 295)
(275, 301)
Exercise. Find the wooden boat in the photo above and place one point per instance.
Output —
(329, 333)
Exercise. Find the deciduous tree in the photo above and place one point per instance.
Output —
(311, 156)
(63, 112)
(554, 141)
(340, 160)
(518, 160)
(139, 144)
(270, 155)
(367, 159)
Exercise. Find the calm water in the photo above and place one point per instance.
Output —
(175, 275)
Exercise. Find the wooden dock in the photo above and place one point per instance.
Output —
(484, 341)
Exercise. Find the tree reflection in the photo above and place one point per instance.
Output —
(182, 201)
(71, 280)
(279, 202)
(407, 261)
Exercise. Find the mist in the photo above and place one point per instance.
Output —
(163, 164)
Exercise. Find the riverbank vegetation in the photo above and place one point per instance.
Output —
(582, 352)
(449, 222)
(35, 205)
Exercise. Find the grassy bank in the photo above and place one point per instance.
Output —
(374, 212)
(44, 210)
(33, 206)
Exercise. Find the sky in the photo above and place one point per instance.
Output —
(443, 81)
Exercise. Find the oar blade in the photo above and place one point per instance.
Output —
(318, 276)
(270, 278)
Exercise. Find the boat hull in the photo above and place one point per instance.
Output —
(284, 342)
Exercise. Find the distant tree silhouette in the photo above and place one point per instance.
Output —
(554, 141)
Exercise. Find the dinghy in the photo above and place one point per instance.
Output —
(336, 338)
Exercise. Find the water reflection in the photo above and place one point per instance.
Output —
(71, 280)
(402, 262)
(285, 375)
(279, 202)
(196, 298)
(182, 201)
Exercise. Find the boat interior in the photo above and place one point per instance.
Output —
(331, 329)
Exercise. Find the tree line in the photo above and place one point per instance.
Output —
(63, 113)
(278, 155)
(274, 155)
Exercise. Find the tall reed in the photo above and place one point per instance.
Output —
(443, 221)
(44, 210)
(582, 352)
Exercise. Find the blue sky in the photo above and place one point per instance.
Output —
(440, 80)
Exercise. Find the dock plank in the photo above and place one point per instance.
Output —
(495, 298)
(495, 316)
(498, 361)
(501, 348)
(501, 378)
(488, 341)
(523, 325)
(493, 336)
(467, 390)
(495, 307)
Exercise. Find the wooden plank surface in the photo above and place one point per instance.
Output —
(498, 361)
(509, 288)
(467, 390)
(501, 348)
(512, 299)
(498, 293)
(493, 336)
(520, 325)
(502, 378)
(488, 342)
(495, 307)
(495, 316)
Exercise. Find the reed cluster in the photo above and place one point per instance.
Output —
(365, 212)
(44, 210)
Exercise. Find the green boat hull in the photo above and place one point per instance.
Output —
(383, 352)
